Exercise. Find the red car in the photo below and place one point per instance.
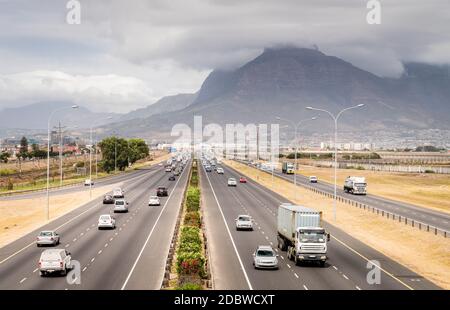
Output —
(242, 180)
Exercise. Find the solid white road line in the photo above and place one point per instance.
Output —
(229, 234)
(150, 234)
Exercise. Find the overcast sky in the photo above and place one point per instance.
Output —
(127, 54)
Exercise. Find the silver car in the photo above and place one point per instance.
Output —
(265, 257)
(47, 237)
(244, 222)
(120, 205)
(106, 221)
(54, 260)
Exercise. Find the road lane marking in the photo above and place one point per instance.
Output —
(358, 288)
(229, 234)
(151, 233)
(345, 276)
(67, 245)
(305, 287)
(92, 259)
(84, 269)
(99, 252)
(368, 260)
(35, 270)
(23, 280)
(289, 266)
(296, 275)
(111, 239)
(335, 267)
(106, 244)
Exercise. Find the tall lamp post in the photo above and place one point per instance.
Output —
(296, 126)
(48, 156)
(335, 118)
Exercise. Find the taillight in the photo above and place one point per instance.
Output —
(39, 264)
(51, 238)
(61, 264)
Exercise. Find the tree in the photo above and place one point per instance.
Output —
(4, 156)
(23, 149)
(138, 149)
(114, 151)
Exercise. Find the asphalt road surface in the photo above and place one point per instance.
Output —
(132, 256)
(231, 250)
(434, 218)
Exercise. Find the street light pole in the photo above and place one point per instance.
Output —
(335, 118)
(48, 157)
(296, 126)
(90, 165)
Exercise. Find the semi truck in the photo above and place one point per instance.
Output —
(287, 168)
(300, 234)
(355, 185)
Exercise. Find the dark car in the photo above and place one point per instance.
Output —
(172, 178)
(161, 191)
(108, 199)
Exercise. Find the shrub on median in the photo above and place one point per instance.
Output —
(193, 199)
(189, 287)
(189, 263)
(192, 219)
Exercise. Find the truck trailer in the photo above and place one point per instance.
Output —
(301, 235)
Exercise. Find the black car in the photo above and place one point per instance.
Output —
(161, 191)
(172, 178)
(108, 199)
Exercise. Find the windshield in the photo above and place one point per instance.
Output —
(312, 237)
(244, 218)
(120, 202)
(231, 179)
(265, 253)
(104, 217)
(360, 184)
(46, 233)
(153, 197)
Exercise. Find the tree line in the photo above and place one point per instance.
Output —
(120, 153)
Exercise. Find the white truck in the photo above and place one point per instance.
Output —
(287, 168)
(355, 185)
(301, 235)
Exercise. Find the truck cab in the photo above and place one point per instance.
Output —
(310, 245)
(287, 168)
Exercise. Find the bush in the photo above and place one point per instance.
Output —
(10, 185)
(189, 263)
(429, 171)
(189, 247)
(189, 286)
(360, 168)
(194, 179)
(6, 172)
(193, 199)
(190, 234)
(192, 219)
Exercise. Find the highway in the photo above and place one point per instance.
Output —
(132, 256)
(428, 216)
(231, 250)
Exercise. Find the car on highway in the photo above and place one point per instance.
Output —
(208, 168)
(265, 257)
(120, 205)
(219, 170)
(232, 182)
(106, 221)
(54, 260)
(313, 179)
(154, 201)
(108, 199)
(161, 191)
(176, 172)
(168, 169)
(242, 180)
(244, 222)
(47, 237)
(172, 178)
(118, 193)
(160, 164)
(88, 182)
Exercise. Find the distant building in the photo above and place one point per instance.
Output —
(349, 146)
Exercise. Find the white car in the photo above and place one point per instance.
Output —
(244, 222)
(313, 179)
(106, 221)
(232, 182)
(88, 182)
(265, 257)
(168, 169)
(47, 237)
(54, 260)
(219, 170)
(118, 193)
(120, 205)
(154, 201)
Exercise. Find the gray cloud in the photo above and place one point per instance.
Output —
(172, 45)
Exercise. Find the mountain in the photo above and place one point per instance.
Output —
(165, 104)
(35, 116)
(283, 82)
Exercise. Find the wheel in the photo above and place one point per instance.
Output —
(322, 263)
(64, 272)
(296, 261)
(41, 273)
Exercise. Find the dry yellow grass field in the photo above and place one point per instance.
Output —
(426, 254)
(19, 217)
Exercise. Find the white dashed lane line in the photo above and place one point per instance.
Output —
(84, 269)
(305, 287)
(23, 280)
(296, 275)
(345, 276)
(92, 259)
(358, 288)
(35, 270)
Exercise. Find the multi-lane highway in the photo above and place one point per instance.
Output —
(132, 256)
(231, 250)
(434, 218)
